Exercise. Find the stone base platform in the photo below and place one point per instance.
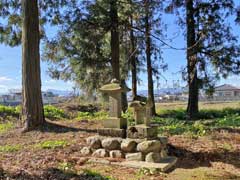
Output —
(163, 166)
(113, 122)
(112, 132)
(142, 132)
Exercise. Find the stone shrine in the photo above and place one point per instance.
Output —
(115, 125)
(143, 128)
(141, 149)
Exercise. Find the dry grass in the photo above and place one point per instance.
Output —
(202, 105)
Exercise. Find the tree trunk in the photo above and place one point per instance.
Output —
(124, 97)
(32, 105)
(114, 40)
(192, 108)
(133, 62)
(149, 62)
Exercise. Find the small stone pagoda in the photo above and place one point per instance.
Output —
(115, 125)
(142, 128)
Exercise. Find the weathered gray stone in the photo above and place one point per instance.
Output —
(94, 142)
(112, 132)
(163, 140)
(116, 154)
(148, 115)
(114, 90)
(139, 111)
(101, 153)
(153, 157)
(128, 145)
(142, 132)
(115, 122)
(149, 146)
(164, 165)
(86, 151)
(111, 144)
(163, 153)
(135, 156)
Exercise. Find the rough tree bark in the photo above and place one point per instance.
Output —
(133, 62)
(192, 108)
(148, 57)
(32, 105)
(115, 49)
(114, 40)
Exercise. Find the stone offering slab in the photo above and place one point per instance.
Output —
(164, 165)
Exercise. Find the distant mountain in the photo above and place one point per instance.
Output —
(162, 91)
(60, 92)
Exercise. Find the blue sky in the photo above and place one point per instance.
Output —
(10, 65)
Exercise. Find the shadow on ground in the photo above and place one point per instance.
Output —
(57, 128)
(49, 174)
(190, 160)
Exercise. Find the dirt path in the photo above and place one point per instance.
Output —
(216, 156)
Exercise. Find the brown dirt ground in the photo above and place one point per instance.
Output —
(216, 156)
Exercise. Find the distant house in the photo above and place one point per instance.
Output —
(227, 91)
(14, 97)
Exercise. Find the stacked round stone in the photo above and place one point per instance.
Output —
(131, 149)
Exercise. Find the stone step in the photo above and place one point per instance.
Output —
(164, 165)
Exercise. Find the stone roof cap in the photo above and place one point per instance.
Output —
(137, 104)
(114, 86)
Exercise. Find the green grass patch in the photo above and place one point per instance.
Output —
(54, 113)
(66, 167)
(9, 111)
(52, 144)
(203, 114)
(4, 127)
(101, 115)
(51, 112)
(129, 116)
(172, 126)
(229, 121)
(9, 148)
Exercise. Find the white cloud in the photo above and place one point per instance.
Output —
(3, 88)
(4, 79)
(51, 81)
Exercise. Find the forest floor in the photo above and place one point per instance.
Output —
(53, 152)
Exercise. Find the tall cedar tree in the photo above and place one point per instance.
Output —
(86, 49)
(21, 25)
(212, 50)
(133, 57)
(148, 57)
(192, 108)
(32, 105)
(114, 39)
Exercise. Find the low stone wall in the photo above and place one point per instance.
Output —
(130, 149)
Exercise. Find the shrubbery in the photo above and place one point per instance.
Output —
(203, 114)
(101, 115)
(9, 111)
(171, 126)
(54, 113)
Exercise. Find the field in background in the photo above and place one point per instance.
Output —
(202, 105)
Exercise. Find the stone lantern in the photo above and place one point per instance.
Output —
(115, 125)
